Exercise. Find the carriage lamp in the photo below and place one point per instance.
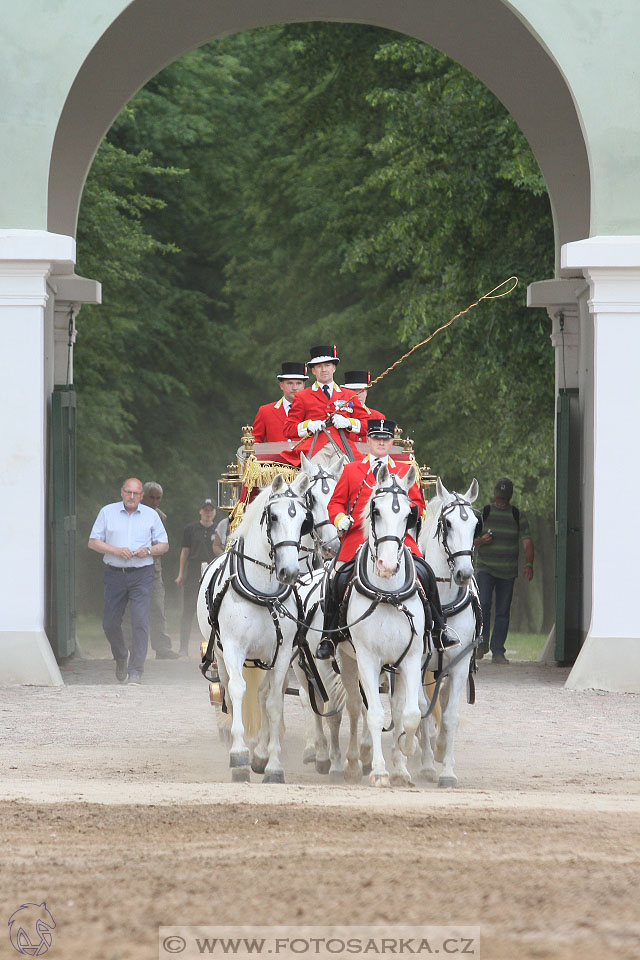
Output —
(427, 479)
(216, 693)
(229, 487)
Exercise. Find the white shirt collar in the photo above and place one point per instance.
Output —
(332, 386)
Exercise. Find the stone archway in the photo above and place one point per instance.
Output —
(486, 37)
(578, 112)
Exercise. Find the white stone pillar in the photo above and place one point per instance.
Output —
(559, 297)
(610, 656)
(27, 259)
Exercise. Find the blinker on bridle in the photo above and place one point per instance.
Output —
(395, 490)
(266, 515)
(441, 529)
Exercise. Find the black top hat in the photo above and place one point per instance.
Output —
(357, 379)
(324, 354)
(293, 371)
(381, 428)
(503, 488)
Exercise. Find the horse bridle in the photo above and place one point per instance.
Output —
(441, 528)
(395, 490)
(307, 524)
(324, 478)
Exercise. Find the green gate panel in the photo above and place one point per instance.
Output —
(62, 626)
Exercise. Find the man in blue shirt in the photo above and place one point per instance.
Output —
(129, 535)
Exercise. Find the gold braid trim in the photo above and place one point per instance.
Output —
(259, 473)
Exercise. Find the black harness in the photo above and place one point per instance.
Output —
(274, 602)
(442, 531)
(464, 598)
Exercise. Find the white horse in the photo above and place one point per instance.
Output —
(323, 540)
(386, 620)
(253, 586)
(446, 541)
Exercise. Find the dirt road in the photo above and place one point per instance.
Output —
(116, 809)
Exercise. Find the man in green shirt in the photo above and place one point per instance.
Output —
(497, 565)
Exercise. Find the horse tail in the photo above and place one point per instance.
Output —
(333, 685)
(429, 687)
(251, 714)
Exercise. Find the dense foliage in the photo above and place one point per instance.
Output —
(304, 184)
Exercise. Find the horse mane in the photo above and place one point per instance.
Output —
(366, 516)
(252, 514)
(432, 513)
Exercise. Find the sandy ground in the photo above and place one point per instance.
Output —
(116, 808)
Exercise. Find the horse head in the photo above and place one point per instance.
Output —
(390, 514)
(456, 528)
(288, 520)
(322, 483)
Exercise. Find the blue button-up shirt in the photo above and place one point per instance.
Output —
(142, 528)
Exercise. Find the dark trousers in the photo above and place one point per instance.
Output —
(158, 635)
(503, 588)
(134, 588)
(189, 603)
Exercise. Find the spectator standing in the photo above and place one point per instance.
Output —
(158, 635)
(497, 565)
(129, 535)
(220, 537)
(197, 548)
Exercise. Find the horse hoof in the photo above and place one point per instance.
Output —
(337, 776)
(258, 764)
(240, 775)
(379, 779)
(239, 759)
(366, 768)
(309, 755)
(448, 782)
(275, 776)
(401, 780)
(428, 776)
(353, 773)
(323, 766)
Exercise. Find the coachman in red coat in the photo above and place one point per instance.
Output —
(324, 413)
(358, 381)
(346, 509)
(270, 420)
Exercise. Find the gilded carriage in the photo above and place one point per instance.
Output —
(258, 463)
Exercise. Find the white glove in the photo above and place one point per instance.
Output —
(340, 422)
(314, 426)
(344, 523)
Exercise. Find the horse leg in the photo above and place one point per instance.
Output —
(336, 769)
(310, 718)
(427, 766)
(366, 745)
(349, 674)
(239, 752)
(449, 723)
(399, 773)
(369, 674)
(260, 751)
(274, 705)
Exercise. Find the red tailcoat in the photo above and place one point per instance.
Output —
(346, 492)
(313, 404)
(268, 426)
(372, 415)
